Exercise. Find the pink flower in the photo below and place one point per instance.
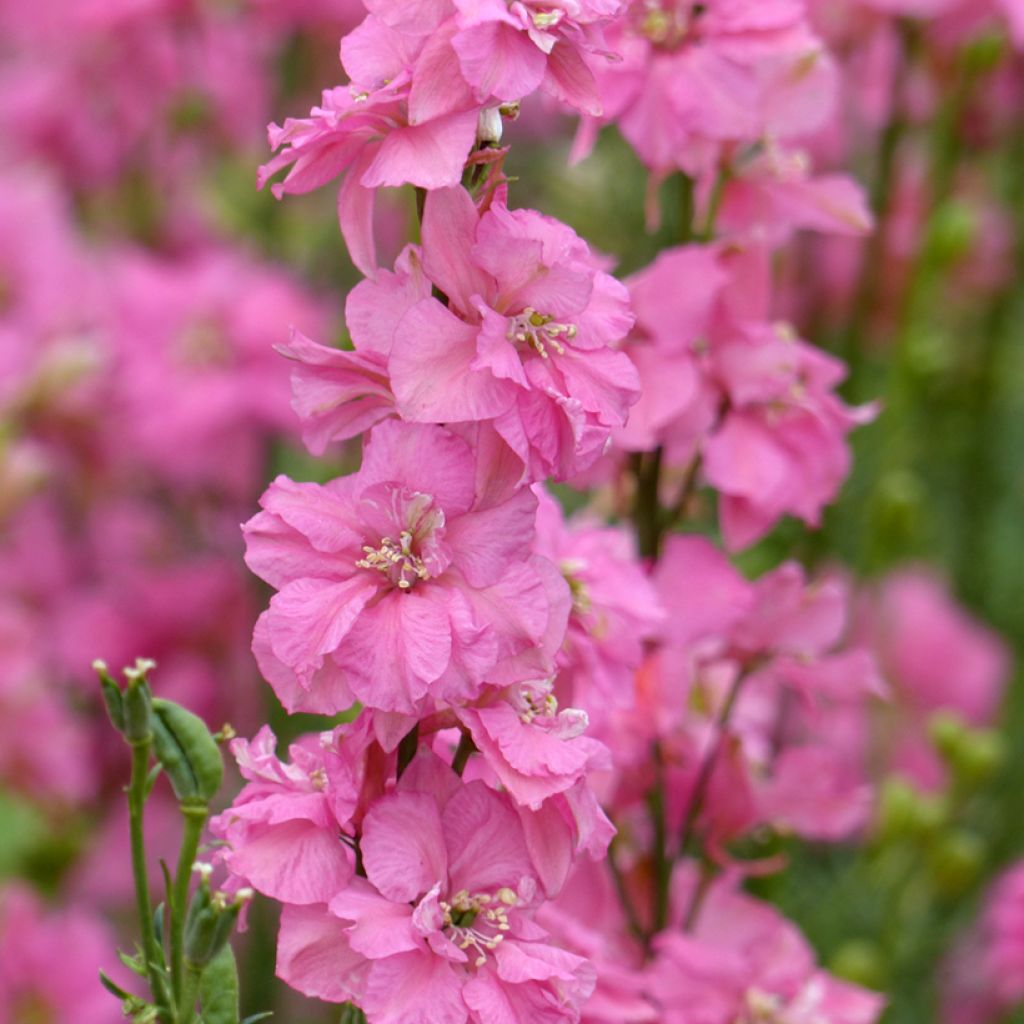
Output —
(283, 830)
(32, 944)
(935, 657)
(406, 118)
(534, 749)
(781, 448)
(440, 930)
(744, 961)
(615, 609)
(526, 341)
(697, 76)
(507, 51)
(401, 581)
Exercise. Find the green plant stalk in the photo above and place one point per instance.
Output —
(195, 819)
(186, 1010)
(136, 817)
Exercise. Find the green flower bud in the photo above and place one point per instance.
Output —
(210, 920)
(861, 962)
(111, 694)
(957, 859)
(189, 754)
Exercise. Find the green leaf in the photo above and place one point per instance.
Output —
(136, 964)
(218, 989)
(113, 988)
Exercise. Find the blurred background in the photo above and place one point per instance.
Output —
(144, 282)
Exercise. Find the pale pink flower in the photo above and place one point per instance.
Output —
(50, 963)
(695, 77)
(743, 961)
(534, 749)
(615, 608)
(407, 117)
(283, 831)
(526, 341)
(439, 931)
(399, 581)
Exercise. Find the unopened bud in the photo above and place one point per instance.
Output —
(956, 860)
(188, 753)
(489, 126)
(209, 922)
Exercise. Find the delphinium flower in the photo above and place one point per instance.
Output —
(440, 928)
(398, 582)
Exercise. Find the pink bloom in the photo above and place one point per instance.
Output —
(697, 76)
(534, 749)
(440, 930)
(744, 961)
(400, 581)
(382, 129)
(781, 448)
(935, 657)
(199, 387)
(526, 341)
(283, 830)
(32, 945)
(615, 608)
(507, 51)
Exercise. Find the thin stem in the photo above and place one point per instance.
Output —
(462, 751)
(697, 899)
(646, 510)
(189, 993)
(407, 749)
(635, 927)
(662, 861)
(677, 509)
(687, 209)
(699, 792)
(136, 805)
(707, 230)
(195, 819)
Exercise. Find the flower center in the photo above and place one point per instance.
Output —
(478, 921)
(760, 1008)
(532, 702)
(570, 568)
(667, 25)
(396, 560)
(541, 331)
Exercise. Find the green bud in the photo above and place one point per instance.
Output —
(861, 962)
(953, 231)
(351, 1014)
(984, 53)
(905, 813)
(957, 858)
(981, 754)
(946, 731)
(189, 754)
(111, 694)
(138, 710)
(210, 919)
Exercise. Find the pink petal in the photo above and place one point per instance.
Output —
(486, 849)
(414, 988)
(314, 957)
(569, 79)
(500, 61)
(430, 155)
(403, 847)
(449, 234)
(380, 927)
(487, 541)
(432, 369)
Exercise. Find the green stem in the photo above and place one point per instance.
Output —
(632, 920)
(646, 510)
(697, 796)
(189, 993)
(136, 816)
(195, 819)
(662, 861)
(407, 749)
(462, 751)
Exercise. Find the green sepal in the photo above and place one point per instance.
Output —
(218, 989)
(158, 924)
(351, 1014)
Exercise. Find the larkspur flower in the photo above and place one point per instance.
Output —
(399, 581)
